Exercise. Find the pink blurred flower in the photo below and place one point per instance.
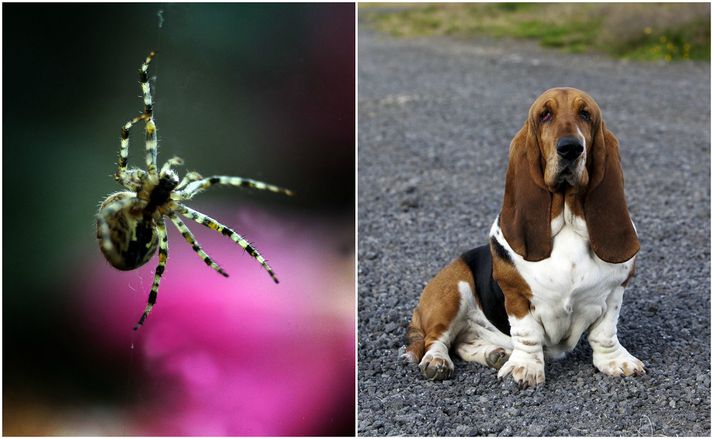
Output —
(238, 355)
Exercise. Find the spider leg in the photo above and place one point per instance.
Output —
(121, 173)
(151, 141)
(196, 187)
(188, 236)
(215, 225)
(162, 258)
(144, 81)
(151, 147)
(188, 178)
(173, 161)
(105, 213)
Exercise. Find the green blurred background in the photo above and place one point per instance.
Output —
(259, 91)
(640, 31)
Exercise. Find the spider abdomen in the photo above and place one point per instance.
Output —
(133, 236)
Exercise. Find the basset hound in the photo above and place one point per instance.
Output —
(560, 253)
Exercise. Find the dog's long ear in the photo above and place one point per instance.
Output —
(525, 215)
(611, 232)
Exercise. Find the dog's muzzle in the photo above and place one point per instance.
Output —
(569, 152)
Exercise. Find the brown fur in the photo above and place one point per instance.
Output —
(525, 214)
(557, 205)
(516, 291)
(574, 201)
(611, 232)
(438, 307)
(533, 197)
(572, 198)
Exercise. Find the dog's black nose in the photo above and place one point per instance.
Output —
(569, 148)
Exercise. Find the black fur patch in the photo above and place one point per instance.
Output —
(480, 262)
(500, 250)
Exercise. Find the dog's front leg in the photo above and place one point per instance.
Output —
(608, 355)
(526, 364)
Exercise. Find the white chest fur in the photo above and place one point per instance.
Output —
(569, 289)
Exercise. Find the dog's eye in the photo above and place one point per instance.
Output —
(584, 114)
(546, 116)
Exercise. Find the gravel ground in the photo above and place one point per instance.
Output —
(436, 117)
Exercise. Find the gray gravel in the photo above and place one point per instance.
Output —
(436, 117)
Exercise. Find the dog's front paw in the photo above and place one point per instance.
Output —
(526, 370)
(618, 363)
(436, 366)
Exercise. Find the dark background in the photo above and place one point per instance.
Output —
(260, 91)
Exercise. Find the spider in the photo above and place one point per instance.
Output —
(130, 223)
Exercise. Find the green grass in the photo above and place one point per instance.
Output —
(641, 31)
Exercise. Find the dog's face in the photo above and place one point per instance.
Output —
(564, 120)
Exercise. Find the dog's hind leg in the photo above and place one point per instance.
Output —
(480, 341)
(438, 320)
(483, 352)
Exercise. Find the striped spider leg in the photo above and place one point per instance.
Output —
(151, 139)
(162, 258)
(225, 230)
(133, 179)
(190, 239)
(193, 188)
(188, 178)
